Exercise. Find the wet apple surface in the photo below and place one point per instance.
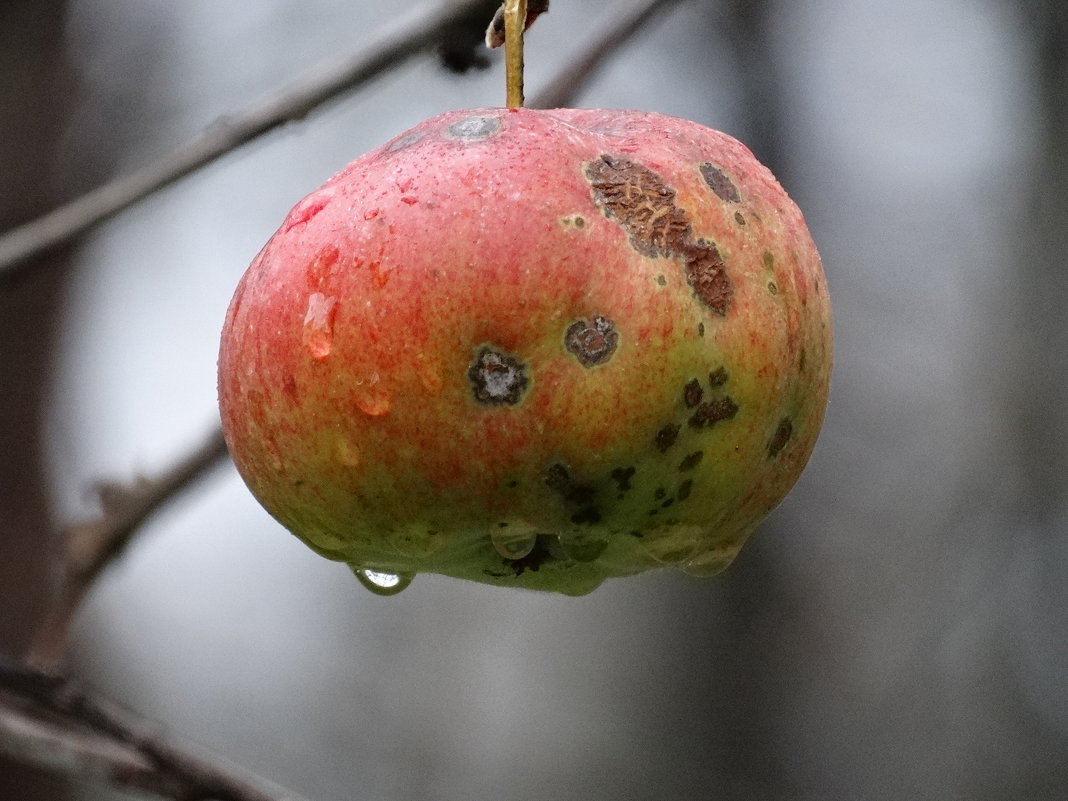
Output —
(531, 348)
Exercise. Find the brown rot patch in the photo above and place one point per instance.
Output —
(719, 182)
(637, 198)
(710, 413)
(781, 437)
(644, 206)
(691, 461)
(474, 129)
(591, 342)
(666, 437)
(707, 276)
(497, 379)
(692, 393)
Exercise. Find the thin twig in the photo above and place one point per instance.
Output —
(47, 721)
(412, 35)
(627, 20)
(89, 547)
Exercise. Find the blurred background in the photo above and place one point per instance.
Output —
(897, 629)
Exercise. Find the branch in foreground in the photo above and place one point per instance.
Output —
(627, 20)
(89, 547)
(47, 721)
(413, 35)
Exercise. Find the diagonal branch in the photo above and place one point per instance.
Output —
(90, 547)
(412, 35)
(47, 721)
(627, 20)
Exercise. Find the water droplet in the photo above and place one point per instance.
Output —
(308, 208)
(370, 214)
(381, 583)
(511, 545)
(347, 453)
(583, 548)
(710, 564)
(319, 325)
(374, 404)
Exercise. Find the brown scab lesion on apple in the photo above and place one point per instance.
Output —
(720, 183)
(497, 378)
(666, 436)
(637, 198)
(592, 342)
(474, 129)
(783, 433)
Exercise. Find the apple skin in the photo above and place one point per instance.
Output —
(598, 341)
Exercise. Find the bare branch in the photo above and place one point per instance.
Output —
(89, 547)
(627, 20)
(47, 721)
(412, 35)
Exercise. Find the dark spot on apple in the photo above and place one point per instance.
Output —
(502, 524)
(700, 329)
(636, 533)
(772, 288)
(542, 552)
(667, 503)
(403, 141)
(781, 437)
(644, 206)
(769, 261)
(497, 379)
(586, 516)
(801, 361)
(691, 461)
(685, 488)
(512, 484)
(558, 478)
(659, 493)
(710, 413)
(707, 276)
(592, 343)
(474, 129)
(692, 393)
(666, 436)
(579, 222)
(622, 477)
(738, 218)
(718, 377)
(719, 182)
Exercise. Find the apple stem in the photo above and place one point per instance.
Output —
(515, 19)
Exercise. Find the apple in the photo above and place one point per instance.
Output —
(533, 349)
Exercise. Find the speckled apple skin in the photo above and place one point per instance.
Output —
(608, 329)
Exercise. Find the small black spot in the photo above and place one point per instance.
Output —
(579, 222)
(660, 493)
(772, 288)
(718, 377)
(667, 503)
(666, 436)
(700, 329)
(720, 183)
(691, 461)
(692, 393)
(738, 218)
(587, 516)
(473, 129)
(781, 437)
(558, 479)
(502, 525)
(592, 343)
(622, 477)
(710, 413)
(684, 490)
(662, 280)
(497, 379)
